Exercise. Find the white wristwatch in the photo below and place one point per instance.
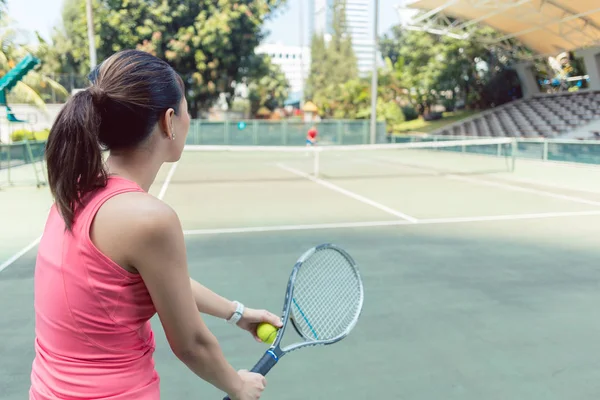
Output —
(237, 314)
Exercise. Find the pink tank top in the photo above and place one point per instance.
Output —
(93, 334)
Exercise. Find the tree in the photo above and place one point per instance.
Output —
(210, 43)
(354, 100)
(389, 43)
(437, 68)
(317, 77)
(32, 88)
(341, 61)
(269, 89)
(333, 64)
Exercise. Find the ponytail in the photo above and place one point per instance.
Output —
(73, 153)
(130, 92)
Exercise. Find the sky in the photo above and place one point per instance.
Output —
(43, 15)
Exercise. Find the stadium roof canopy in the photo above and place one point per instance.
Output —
(546, 27)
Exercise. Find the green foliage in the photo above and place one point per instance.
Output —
(317, 77)
(390, 112)
(333, 68)
(354, 102)
(210, 43)
(68, 51)
(421, 70)
(31, 88)
(500, 89)
(269, 89)
(24, 134)
(437, 69)
(420, 125)
(409, 113)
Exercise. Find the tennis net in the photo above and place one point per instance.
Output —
(205, 163)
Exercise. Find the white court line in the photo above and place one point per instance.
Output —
(349, 193)
(431, 221)
(165, 184)
(295, 227)
(19, 254)
(34, 243)
(525, 190)
(509, 217)
(547, 184)
(500, 185)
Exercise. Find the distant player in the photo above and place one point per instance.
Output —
(311, 136)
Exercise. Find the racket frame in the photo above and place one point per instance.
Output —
(275, 351)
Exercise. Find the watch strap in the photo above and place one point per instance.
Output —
(237, 314)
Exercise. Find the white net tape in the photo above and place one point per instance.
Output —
(339, 161)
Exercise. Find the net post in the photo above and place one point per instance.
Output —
(255, 133)
(545, 150)
(284, 133)
(30, 156)
(199, 131)
(513, 153)
(226, 133)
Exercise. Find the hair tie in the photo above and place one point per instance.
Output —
(98, 94)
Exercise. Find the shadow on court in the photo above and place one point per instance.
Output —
(495, 310)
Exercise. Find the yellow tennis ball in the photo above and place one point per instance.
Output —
(266, 332)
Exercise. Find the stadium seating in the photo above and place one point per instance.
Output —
(551, 116)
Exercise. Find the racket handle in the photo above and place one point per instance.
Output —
(263, 366)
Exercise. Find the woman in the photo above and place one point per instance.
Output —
(112, 255)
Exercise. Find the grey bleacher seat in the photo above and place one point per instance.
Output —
(547, 116)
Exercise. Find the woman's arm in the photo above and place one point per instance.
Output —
(208, 302)
(157, 250)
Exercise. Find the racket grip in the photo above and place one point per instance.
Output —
(263, 366)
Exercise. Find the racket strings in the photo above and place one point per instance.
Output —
(327, 295)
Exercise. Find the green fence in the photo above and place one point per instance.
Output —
(282, 133)
(13, 156)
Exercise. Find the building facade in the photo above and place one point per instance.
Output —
(295, 68)
(359, 19)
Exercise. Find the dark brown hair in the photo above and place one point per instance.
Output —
(130, 92)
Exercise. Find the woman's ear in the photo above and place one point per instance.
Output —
(166, 123)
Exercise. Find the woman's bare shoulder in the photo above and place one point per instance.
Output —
(130, 222)
(138, 211)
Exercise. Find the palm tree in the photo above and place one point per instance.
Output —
(29, 89)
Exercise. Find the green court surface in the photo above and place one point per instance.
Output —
(480, 282)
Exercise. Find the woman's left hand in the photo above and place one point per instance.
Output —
(251, 318)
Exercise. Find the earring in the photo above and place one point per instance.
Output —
(173, 136)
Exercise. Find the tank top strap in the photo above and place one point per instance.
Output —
(115, 185)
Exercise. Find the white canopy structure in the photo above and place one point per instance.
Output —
(545, 27)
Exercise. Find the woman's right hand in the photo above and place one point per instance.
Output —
(253, 385)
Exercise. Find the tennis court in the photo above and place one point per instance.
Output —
(481, 278)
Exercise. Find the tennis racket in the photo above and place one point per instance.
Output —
(323, 300)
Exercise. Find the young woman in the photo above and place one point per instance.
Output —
(112, 255)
